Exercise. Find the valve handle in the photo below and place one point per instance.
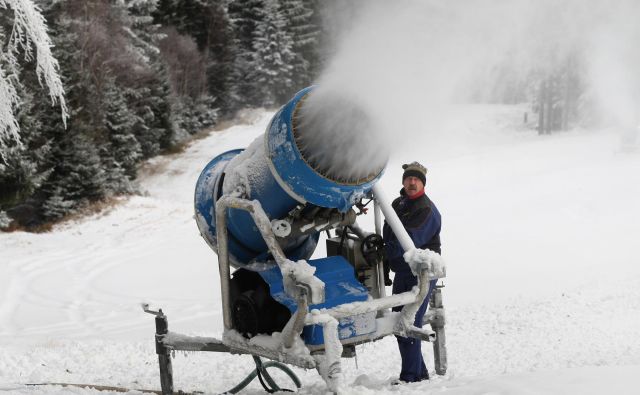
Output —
(372, 248)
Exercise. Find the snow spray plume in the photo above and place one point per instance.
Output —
(412, 59)
(614, 61)
(338, 138)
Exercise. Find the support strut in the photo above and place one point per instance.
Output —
(164, 354)
(437, 322)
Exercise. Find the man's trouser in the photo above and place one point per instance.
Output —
(413, 368)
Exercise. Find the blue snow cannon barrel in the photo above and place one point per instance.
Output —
(303, 158)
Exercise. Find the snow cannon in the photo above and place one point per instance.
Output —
(285, 173)
(262, 210)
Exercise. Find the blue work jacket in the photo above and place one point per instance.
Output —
(422, 221)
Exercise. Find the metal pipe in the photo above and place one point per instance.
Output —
(377, 219)
(382, 291)
(353, 308)
(392, 218)
(294, 328)
(223, 260)
(329, 365)
(177, 341)
(409, 310)
(358, 231)
(259, 217)
(264, 226)
(437, 324)
(306, 226)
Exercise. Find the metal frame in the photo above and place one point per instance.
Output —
(409, 299)
(233, 343)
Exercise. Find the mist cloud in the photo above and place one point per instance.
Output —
(407, 61)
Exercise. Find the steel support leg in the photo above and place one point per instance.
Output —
(437, 324)
(164, 355)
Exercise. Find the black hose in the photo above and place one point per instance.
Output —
(261, 371)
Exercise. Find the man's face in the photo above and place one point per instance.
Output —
(412, 186)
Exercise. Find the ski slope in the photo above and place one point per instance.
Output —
(539, 233)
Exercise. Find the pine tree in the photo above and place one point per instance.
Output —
(142, 29)
(96, 156)
(219, 52)
(123, 150)
(245, 17)
(557, 92)
(187, 16)
(78, 176)
(207, 22)
(159, 103)
(272, 57)
(147, 90)
(301, 25)
(21, 170)
(43, 131)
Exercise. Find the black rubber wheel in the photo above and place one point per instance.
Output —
(245, 316)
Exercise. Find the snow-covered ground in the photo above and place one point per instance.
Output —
(540, 235)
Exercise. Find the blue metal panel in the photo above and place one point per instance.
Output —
(204, 200)
(243, 247)
(275, 202)
(341, 287)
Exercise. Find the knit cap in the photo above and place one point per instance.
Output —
(415, 169)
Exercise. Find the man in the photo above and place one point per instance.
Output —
(421, 219)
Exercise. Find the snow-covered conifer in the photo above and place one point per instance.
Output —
(301, 27)
(27, 35)
(245, 16)
(119, 122)
(272, 57)
(78, 177)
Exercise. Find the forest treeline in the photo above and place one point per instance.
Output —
(141, 77)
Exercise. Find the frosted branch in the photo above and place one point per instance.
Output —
(29, 32)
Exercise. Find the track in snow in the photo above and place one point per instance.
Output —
(539, 234)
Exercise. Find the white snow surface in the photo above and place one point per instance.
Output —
(542, 296)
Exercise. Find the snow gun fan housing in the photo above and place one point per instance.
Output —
(296, 172)
(329, 132)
